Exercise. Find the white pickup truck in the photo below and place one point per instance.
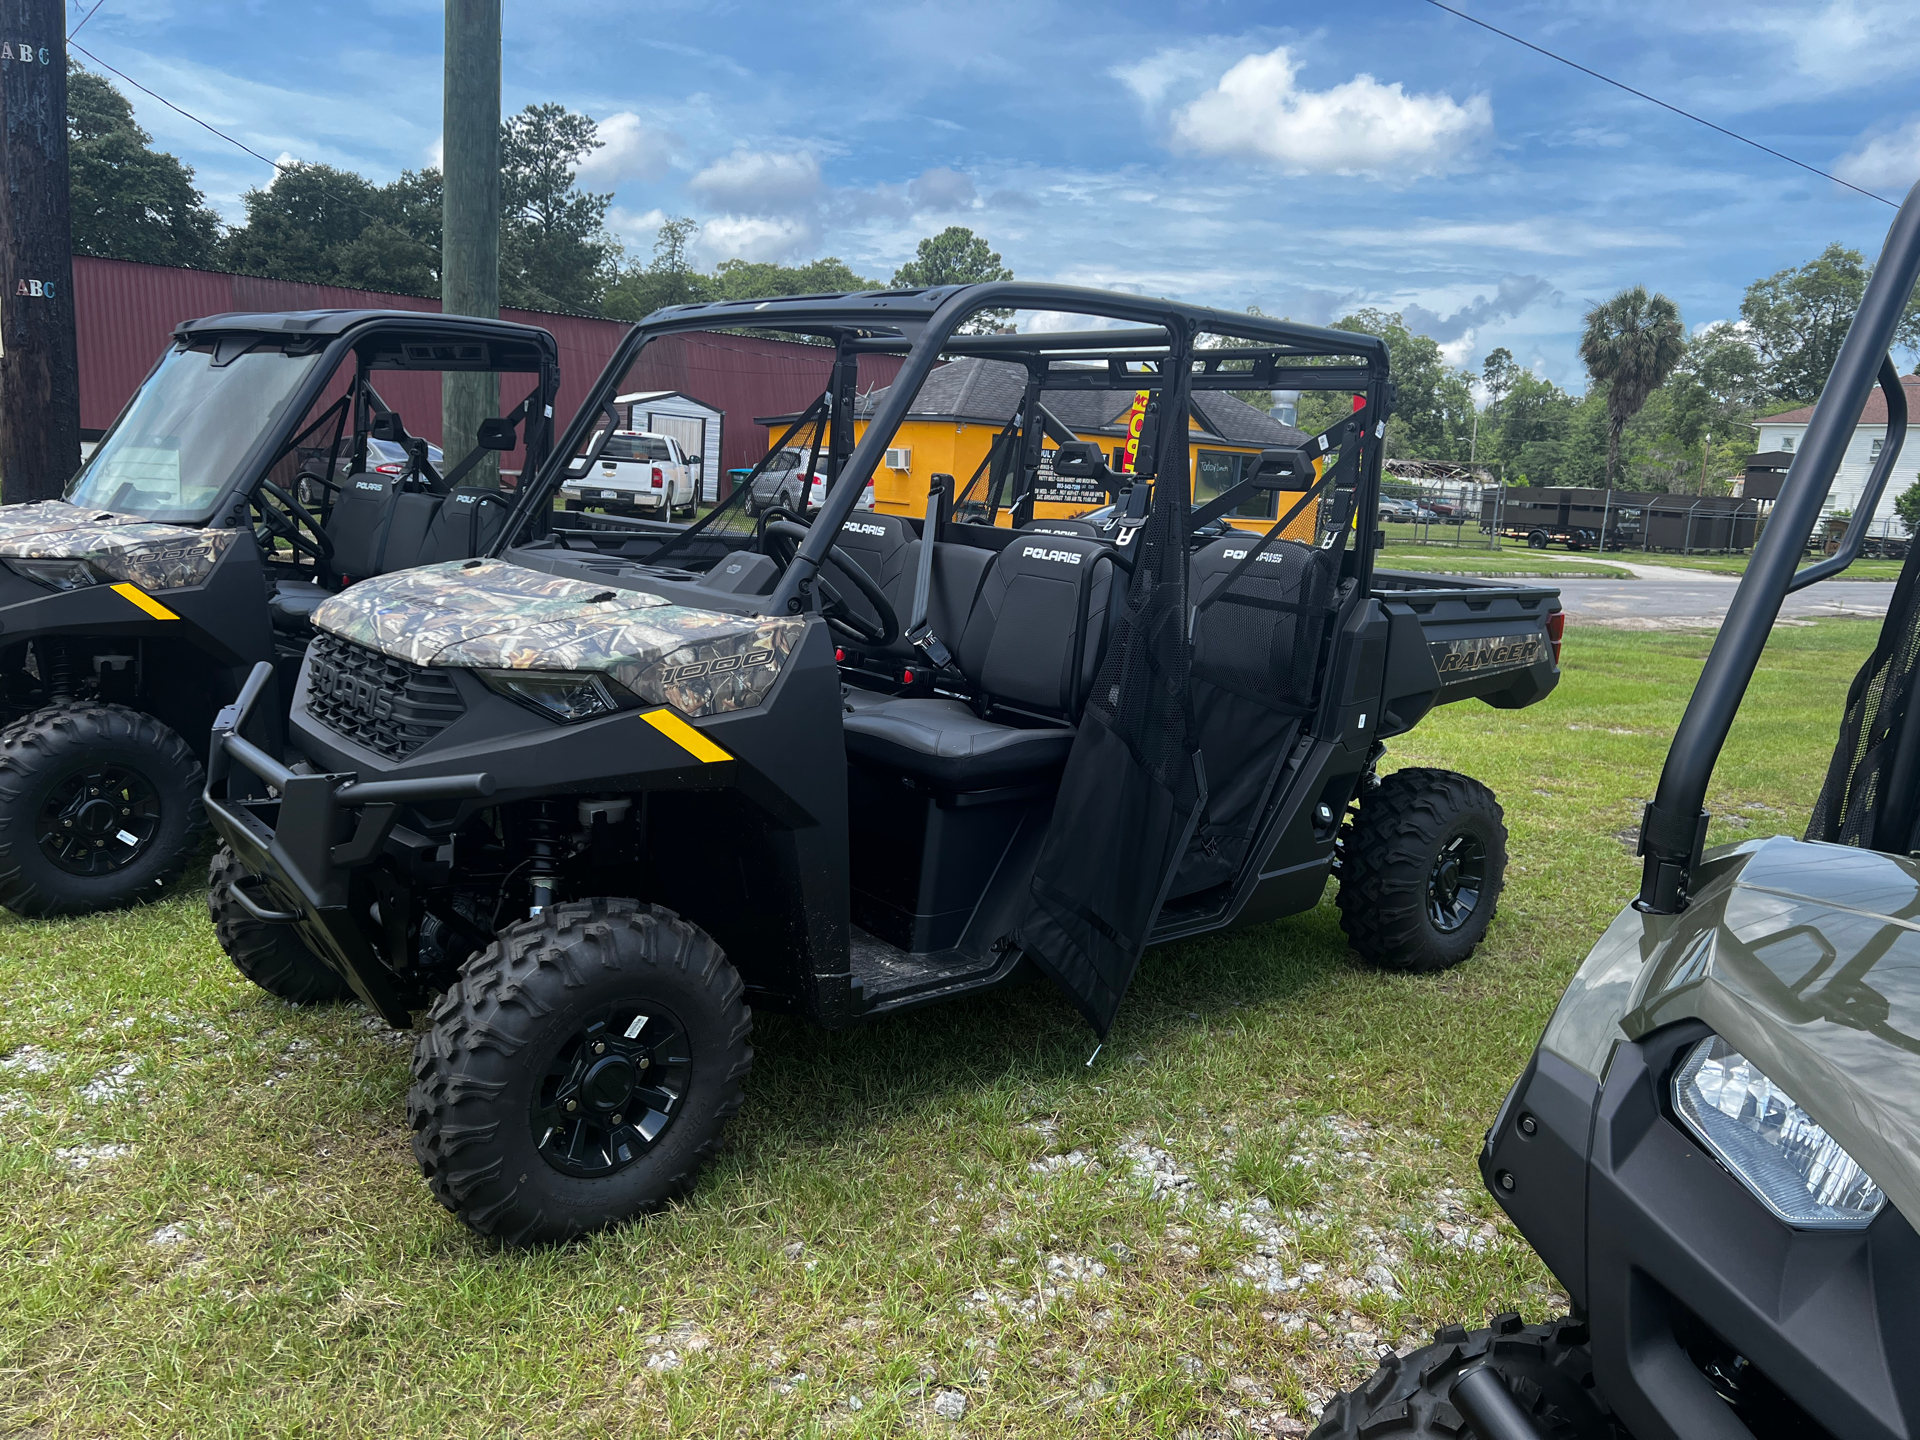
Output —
(639, 473)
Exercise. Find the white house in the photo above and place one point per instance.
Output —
(1786, 431)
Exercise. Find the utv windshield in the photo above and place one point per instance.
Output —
(173, 450)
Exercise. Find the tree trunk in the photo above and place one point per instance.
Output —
(1614, 426)
(470, 218)
(39, 357)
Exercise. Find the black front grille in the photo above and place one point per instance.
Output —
(390, 707)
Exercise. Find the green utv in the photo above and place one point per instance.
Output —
(589, 797)
(1716, 1146)
(255, 472)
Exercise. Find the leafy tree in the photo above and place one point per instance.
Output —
(670, 279)
(1631, 345)
(1535, 418)
(130, 201)
(753, 280)
(1499, 372)
(1433, 408)
(555, 253)
(956, 256)
(332, 227)
(1907, 506)
(1799, 316)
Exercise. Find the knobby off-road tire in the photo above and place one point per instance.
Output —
(151, 791)
(1401, 907)
(271, 956)
(1547, 1367)
(513, 1041)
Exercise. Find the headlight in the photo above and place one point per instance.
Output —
(564, 695)
(1759, 1133)
(60, 574)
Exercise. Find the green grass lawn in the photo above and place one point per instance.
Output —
(1445, 560)
(212, 1225)
(1737, 565)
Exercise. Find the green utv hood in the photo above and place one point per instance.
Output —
(140, 552)
(1806, 958)
(489, 615)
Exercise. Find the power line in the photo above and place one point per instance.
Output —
(175, 108)
(1654, 100)
(84, 18)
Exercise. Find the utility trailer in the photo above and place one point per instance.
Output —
(1577, 518)
(589, 797)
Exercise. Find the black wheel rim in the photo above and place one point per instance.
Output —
(612, 1090)
(1455, 883)
(98, 820)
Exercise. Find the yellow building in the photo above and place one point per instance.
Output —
(964, 404)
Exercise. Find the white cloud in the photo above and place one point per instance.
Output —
(629, 150)
(1539, 235)
(437, 153)
(1360, 127)
(759, 182)
(757, 237)
(940, 190)
(1892, 160)
(1849, 42)
(636, 229)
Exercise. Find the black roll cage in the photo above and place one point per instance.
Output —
(336, 335)
(1673, 830)
(924, 326)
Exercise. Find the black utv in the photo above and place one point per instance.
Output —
(589, 798)
(234, 493)
(1716, 1145)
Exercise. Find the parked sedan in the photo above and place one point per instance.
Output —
(779, 484)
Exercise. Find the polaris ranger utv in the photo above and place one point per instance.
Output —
(1716, 1146)
(588, 798)
(234, 493)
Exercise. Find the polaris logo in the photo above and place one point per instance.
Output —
(1267, 557)
(852, 529)
(373, 485)
(1059, 557)
(466, 499)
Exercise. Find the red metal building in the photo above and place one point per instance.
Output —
(126, 312)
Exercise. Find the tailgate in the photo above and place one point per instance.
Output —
(1457, 638)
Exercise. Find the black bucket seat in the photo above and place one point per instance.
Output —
(1029, 649)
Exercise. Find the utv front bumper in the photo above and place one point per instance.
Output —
(1704, 1307)
(309, 842)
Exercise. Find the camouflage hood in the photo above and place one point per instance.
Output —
(489, 615)
(1805, 958)
(152, 556)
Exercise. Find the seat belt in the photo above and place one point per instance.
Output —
(919, 632)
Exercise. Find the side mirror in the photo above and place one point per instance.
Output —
(1080, 460)
(1284, 470)
(496, 434)
(694, 459)
(387, 426)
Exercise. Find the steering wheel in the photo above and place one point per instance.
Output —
(783, 539)
(287, 519)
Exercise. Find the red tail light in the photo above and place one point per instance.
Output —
(658, 478)
(388, 469)
(1556, 631)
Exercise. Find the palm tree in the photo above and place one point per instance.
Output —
(1631, 344)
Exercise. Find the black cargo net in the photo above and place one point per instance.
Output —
(1868, 799)
(1132, 786)
(1142, 693)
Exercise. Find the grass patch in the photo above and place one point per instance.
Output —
(210, 1223)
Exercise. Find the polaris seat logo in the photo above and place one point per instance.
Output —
(374, 485)
(1059, 557)
(1267, 557)
(853, 529)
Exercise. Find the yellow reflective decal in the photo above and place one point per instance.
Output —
(685, 736)
(146, 602)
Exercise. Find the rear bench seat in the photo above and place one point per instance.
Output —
(1030, 646)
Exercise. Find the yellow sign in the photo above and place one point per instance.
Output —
(1135, 417)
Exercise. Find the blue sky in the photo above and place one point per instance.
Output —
(1306, 159)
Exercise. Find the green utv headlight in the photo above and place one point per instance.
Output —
(60, 574)
(564, 695)
(1780, 1152)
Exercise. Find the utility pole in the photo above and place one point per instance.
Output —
(470, 215)
(39, 357)
(1705, 451)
